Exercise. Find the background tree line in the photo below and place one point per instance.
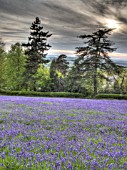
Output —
(92, 71)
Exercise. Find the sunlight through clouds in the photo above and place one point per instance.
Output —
(65, 20)
(118, 55)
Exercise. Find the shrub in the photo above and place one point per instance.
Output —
(111, 96)
(42, 94)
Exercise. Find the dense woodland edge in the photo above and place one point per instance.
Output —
(25, 69)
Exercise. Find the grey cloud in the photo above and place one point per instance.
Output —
(66, 19)
(97, 7)
(120, 3)
(122, 19)
(66, 16)
(14, 7)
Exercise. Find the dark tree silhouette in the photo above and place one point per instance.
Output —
(36, 47)
(62, 64)
(59, 64)
(94, 55)
(74, 79)
(53, 76)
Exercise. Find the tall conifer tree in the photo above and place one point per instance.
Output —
(36, 47)
(59, 66)
(94, 55)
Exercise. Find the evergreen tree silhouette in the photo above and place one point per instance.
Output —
(35, 49)
(94, 55)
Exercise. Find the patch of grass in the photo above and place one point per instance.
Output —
(47, 113)
(93, 112)
(28, 138)
(1, 121)
(73, 137)
(72, 114)
(22, 105)
(48, 128)
(48, 103)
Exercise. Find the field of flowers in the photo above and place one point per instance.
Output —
(62, 134)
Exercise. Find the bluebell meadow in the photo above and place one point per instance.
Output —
(62, 134)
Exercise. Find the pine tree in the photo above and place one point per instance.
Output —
(75, 81)
(58, 70)
(53, 76)
(94, 55)
(62, 64)
(36, 47)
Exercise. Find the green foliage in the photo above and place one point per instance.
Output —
(36, 47)
(14, 67)
(62, 64)
(111, 96)
(53, 75)
(42, 78)
(93, 112)
(94, 55)
(92, 72)
(120, 81)
(58, 71)
(2, 63)
(42, 94)
(75, 81)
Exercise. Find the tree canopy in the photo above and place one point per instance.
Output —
(36, 47)
(94, 55)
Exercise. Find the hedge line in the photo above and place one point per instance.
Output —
(60, 94)
(42, 94)
(112, 96)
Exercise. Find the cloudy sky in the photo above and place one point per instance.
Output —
(65, 19)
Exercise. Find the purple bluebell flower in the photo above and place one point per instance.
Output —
(63, 132)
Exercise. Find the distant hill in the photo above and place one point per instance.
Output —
(121, 62)
(71, 60)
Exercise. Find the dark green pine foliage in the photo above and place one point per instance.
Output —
(74, 79)
(36, 47)
(61, 65)
(53, 76)
(94, 55)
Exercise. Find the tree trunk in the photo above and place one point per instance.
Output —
(121, 85)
